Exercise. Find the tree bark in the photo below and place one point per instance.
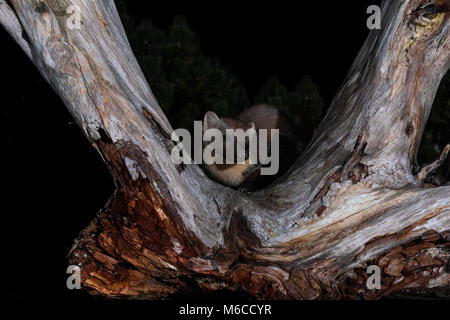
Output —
(352, 200)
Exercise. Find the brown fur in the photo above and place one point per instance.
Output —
(262, 117)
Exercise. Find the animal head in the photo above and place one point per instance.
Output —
(230, 141)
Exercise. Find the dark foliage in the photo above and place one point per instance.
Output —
(437, 131)
(187, 83)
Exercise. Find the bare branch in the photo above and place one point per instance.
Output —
(426, 171)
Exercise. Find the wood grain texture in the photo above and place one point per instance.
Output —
(353, 199)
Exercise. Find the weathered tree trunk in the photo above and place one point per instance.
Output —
(352, 200)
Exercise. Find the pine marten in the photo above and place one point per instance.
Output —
(248, 175)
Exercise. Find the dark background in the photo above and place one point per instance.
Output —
(53, 182)
(284, 38)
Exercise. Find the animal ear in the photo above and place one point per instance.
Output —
(212, 121)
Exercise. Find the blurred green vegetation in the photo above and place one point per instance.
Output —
(187, 83)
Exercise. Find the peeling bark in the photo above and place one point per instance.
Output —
(352, 200)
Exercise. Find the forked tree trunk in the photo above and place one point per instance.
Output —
(352, 200)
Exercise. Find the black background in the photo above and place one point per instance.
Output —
(53, 182)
